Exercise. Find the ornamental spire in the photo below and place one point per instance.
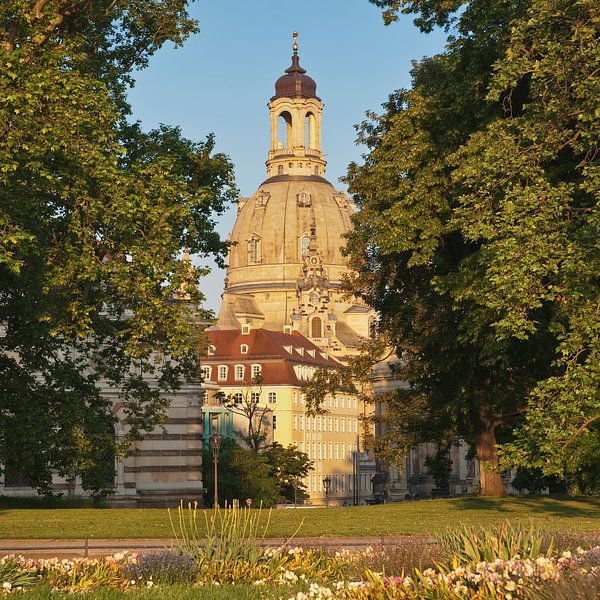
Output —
(295, 43)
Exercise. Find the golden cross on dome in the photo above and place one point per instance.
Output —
(295, 43)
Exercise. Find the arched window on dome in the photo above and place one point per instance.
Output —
(254, 250)
(304, 243)
(280, 170)
(316, 328)
(284, 130)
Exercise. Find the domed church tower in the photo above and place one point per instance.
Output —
(286, 264)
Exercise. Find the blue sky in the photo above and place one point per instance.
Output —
(222, 78)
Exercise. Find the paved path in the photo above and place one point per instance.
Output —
(104, 547)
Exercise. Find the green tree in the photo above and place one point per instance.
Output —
(242, 473)
(289, 466)
(94, 214)
(477, 238)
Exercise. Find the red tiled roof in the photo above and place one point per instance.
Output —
(266, 348)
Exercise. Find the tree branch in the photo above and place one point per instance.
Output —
(580, 430)
(38, 9)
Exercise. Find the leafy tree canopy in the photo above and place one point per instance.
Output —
(270, 476)
(94, 213)
(477, 238)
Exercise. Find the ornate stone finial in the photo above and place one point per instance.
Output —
(295, 43)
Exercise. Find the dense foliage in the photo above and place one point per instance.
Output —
(477, 238)
(94, 213)
(275, 474)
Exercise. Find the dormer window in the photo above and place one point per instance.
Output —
(288, 349)
(211, 350)
(324, 355)
(245, 329)
(311, 353)
(244, 349)
(300, 351)
(256, 371)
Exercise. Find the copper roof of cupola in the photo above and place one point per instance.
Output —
(295, 83)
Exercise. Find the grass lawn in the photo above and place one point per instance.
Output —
(176, 592)
(422, 516)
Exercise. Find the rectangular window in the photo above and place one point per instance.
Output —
(330, 451)
(206, 373)
(256, 371)
(272, 397)
(337, 451)
(341, 403)
(336, 402)
(343, 424)
(320, 451)
(330, 421)
(295, 422)
(335, 424)
(255, 397)
(301, 422)
(239, 372)
(319, 419)
(222, 372)
(295, 397)
(274, 422)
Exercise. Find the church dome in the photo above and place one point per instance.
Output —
(295, 83)
(275, 226)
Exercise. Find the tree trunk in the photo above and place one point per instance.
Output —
(487, 455)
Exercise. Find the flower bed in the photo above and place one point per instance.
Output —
(498, 579)
(505, 562)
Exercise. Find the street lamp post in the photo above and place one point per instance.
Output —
(327, 484)
(215, 445)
